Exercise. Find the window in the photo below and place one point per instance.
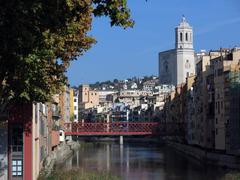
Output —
(181, 36)
(216, 120)
(75, 107)
(17, 138)
(216, 131)
(187, 75)
(17, 167)
(75, 116)
(75, 100)
(186, 36)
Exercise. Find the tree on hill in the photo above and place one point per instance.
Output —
(40, 38)
(115, 81)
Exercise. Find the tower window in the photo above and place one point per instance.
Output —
(181, 36)
(186, 36)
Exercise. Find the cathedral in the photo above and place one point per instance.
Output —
(177, 64)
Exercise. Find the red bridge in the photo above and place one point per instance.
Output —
(124, 128)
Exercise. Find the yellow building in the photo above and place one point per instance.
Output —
(71, 104)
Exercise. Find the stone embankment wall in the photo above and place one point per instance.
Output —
(211, 158)
(59, 155)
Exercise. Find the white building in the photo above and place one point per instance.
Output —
(177, 64)
(133, 85)
(75, 105)
(149, 85)
(125, 86)
(103, 95)
(164, 89)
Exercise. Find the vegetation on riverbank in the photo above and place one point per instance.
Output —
(232, 176)
(76, 174)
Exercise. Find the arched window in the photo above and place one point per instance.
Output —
(181, 37)
(186, 36)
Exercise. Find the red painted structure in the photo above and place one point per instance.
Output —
(123, 128)
(21, 115)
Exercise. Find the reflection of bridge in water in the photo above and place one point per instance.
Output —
(124, 129)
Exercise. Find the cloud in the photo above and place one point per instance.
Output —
(214, 26)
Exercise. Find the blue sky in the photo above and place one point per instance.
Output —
(123, 53)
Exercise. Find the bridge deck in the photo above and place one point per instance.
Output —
(122, 128)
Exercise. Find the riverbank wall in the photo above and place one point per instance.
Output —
(60, 154)
(207, 157)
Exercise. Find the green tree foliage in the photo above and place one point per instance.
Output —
(40, 38)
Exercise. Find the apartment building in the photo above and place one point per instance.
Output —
(64, 104)
(87, 98)
(213, 106)
(31, 137)
(132, 97)
(189, 110)
(232, 107)
(71, 104)
(226, 97)
(203, 115)
(75, 105)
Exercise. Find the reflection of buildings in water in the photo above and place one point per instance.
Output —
(127, 159)
(108, 158)
(77, 159)
(135, 162)
(121, 158)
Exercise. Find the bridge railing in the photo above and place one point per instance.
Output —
(134, 128)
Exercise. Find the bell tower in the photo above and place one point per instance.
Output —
(175, 65)
(184, 35)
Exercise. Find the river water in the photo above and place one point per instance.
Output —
(140, 162)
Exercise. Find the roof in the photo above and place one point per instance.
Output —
(184, 23)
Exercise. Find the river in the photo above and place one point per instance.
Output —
(140, 162)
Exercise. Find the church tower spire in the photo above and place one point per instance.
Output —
(184, 35)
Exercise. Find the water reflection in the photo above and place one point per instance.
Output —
(140, 162)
